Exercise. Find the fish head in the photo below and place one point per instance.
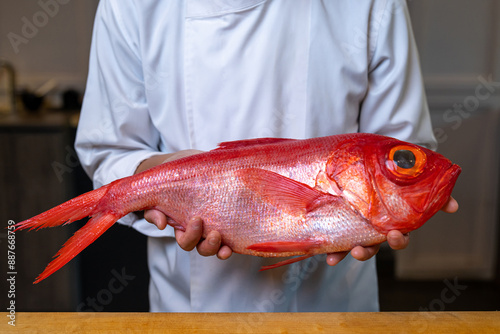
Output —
(394, 184)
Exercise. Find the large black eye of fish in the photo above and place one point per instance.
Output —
(404, 159)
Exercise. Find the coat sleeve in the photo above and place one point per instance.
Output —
(395, 104)
(115, 132)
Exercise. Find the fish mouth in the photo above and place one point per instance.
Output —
(451, 175)
(431, 201)
(445, 185)
(454, 172)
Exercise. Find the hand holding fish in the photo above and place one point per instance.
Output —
(395, 239)
(192, 237)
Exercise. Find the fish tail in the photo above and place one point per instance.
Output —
(72, 210)
(67, 212)
(95, 227)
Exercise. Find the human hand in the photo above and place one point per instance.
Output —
(450, 206)
(192, 236)
(395, 239)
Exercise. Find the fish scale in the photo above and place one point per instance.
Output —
(273, 197)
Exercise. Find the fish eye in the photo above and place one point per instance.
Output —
(406, 161)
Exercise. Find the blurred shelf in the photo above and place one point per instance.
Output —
(38, 121)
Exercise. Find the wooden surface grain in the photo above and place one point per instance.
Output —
(386, 322)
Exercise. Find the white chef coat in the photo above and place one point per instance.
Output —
(172, 75)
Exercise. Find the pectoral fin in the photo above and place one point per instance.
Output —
(283, 192)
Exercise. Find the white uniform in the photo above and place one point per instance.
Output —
(172, 75)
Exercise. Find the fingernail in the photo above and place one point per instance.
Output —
(196, 224)
(395, 242)
(392, 239)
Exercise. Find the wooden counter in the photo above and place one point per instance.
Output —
(384, 322)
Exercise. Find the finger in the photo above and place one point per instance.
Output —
(211, 245)
(157, 218)
(398, 240)
(450, 206)
(333, 259)
(364, 253)
(188, 239)
(224, 252)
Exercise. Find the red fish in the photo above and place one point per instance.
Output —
(275, 197)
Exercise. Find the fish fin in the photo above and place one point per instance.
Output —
(251, 142)
(94, 228)
(285, 246)
(285, 262)
(67, 212)
(282, 191)
(88, 204)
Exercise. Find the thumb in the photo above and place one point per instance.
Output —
(156, 217)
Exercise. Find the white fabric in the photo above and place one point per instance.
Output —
(172, 75)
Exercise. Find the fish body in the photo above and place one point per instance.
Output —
(274, 197)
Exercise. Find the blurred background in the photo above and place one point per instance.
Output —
(451, 263)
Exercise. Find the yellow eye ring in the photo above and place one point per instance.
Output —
(405, 160)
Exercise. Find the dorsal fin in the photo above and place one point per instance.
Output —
(250, 142)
